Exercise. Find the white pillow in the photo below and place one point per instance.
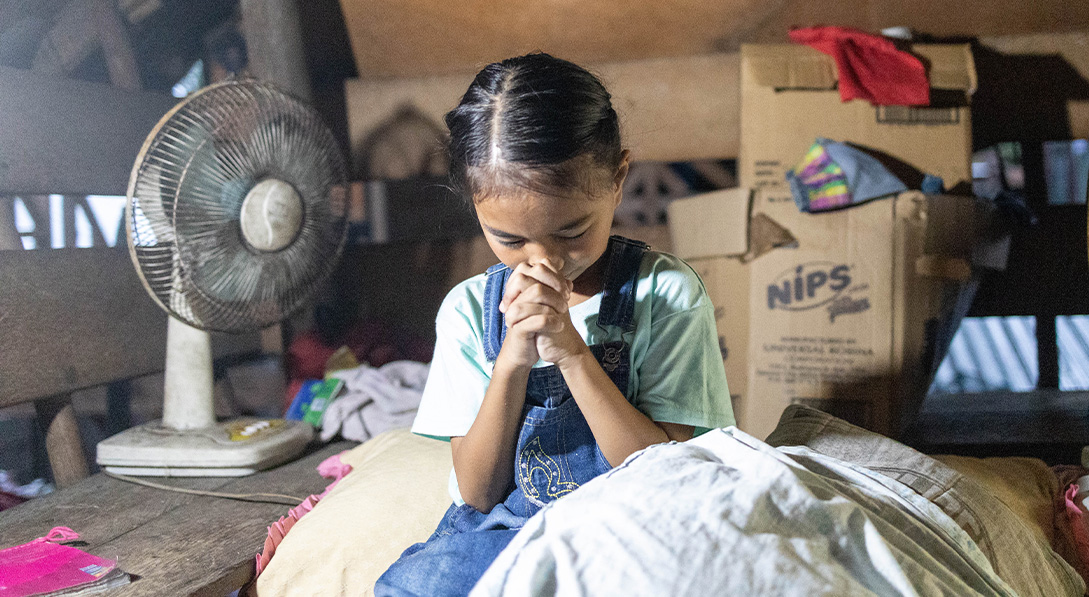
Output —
(394, 497)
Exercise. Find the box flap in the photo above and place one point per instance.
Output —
(711, 225)
(951, 66)
(787, 66)
(793, 66)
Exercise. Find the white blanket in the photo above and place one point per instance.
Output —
(375, 399)
(726, 514)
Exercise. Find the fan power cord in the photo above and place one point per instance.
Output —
(266, 498)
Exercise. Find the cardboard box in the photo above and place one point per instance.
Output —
(846, 322)
(789, 98)
(727, 283)
(711, 232)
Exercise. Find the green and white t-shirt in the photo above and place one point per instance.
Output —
(676, 375)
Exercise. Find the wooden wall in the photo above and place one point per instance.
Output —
(412, 38)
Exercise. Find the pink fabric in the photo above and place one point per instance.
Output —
(334, 468)
(870, 66)
(1078, 523)
(42, 565)
(330, 468)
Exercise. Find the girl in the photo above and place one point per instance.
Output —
(574, 352)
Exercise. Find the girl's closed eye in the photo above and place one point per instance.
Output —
(513, 243)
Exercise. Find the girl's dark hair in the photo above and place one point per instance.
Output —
(533, 123)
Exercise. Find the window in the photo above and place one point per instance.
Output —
(65, 221)
(989, 354)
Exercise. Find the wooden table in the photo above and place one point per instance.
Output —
(172, 543)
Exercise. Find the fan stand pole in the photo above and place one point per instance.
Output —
(187, 393)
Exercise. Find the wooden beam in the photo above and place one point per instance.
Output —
(671, 109)
(9, 235)
(70, 137)
(274, 44)
(77, 318)
(62, 440)
(69, 41)
(115, 45)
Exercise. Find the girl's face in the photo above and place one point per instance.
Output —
(571, 232)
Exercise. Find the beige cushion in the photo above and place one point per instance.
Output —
(394, 497)
(1012, 541)
(1026, 485)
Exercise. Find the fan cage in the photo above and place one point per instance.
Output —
(185, 198)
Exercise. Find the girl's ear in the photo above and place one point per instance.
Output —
(621, 174)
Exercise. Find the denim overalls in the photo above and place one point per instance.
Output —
(556, 451)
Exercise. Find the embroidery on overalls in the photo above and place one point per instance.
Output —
(611, 359)
(533, 459)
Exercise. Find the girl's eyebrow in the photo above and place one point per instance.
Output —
(495, 232)
(564, 228)
(574, 224)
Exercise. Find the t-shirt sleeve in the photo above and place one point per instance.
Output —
(457, 380)
(681, 376)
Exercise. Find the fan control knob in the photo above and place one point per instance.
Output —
(272, 215)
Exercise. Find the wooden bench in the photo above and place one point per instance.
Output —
(77, 318)
(173, 543)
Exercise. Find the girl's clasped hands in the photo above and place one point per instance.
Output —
(535, 304)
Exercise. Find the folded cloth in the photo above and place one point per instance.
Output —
(374, 400)
(870, 67)
(834, 175)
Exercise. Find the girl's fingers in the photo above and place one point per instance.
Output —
(549, 275)
(516, 283)
(541, 324)
(542, 321)
(542, 295)
(518, 312)
(525, 276)
(521, 310)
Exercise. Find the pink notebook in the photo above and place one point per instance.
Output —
(44, 567)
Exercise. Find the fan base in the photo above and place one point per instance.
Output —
(230, 449)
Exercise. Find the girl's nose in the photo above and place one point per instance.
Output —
(548, 259)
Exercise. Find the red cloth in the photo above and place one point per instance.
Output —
(870, 67)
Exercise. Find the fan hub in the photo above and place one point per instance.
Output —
(272, 215)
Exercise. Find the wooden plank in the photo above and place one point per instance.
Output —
(67, 136)
(671, 109)
(77, 318)
(207, 546)
(99, 508)
(411, 38)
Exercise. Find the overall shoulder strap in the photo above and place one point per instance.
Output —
(495, 324)
(621, 275)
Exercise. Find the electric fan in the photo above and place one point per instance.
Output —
(236, 212)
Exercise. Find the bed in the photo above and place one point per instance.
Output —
(821, 507)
